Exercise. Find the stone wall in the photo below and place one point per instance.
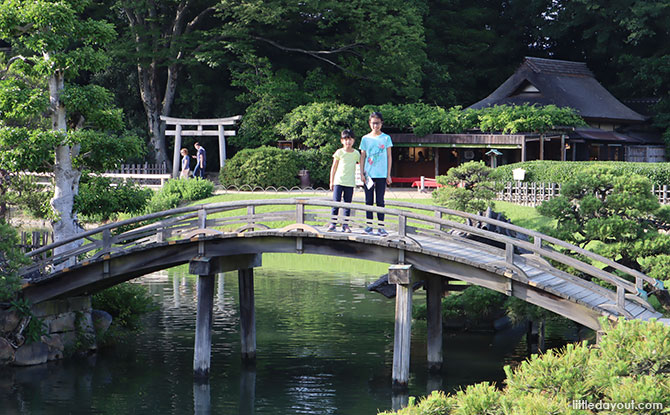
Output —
(60, 319)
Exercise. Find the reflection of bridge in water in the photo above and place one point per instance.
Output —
(422, 245)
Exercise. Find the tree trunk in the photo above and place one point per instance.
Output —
(148, 78)
(66, 177)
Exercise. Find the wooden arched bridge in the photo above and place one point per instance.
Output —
(424, 242)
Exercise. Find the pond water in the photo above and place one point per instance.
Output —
(324, 346)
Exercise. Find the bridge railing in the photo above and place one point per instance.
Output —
(408, 223)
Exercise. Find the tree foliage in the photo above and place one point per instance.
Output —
(11, 259)
(615, 214)
(55, 119)
(468, 187)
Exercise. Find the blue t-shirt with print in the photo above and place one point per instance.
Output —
(376, 160)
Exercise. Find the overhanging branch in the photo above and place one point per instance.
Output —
(317, 53)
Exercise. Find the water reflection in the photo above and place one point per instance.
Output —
(247, 388)
(202, 403)
(325, 346)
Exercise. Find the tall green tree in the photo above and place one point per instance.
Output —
(624, 42)
(166, 37)
(292, 53)
(478, 43)
(52, 118)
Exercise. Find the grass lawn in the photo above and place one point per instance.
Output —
(524, 216)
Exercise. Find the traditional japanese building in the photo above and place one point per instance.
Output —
(614, 132)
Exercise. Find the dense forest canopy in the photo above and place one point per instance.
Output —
(263, 58)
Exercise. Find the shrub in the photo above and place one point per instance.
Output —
(263, 166)
(631, 363)
(177, 191)
(125, 302)
(11, 259)
(475, 190)
(99, 200)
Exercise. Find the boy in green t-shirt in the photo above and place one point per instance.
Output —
(343, 176)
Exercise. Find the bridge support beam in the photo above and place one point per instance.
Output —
(206, 267)
(247, 314)
(203, 327)
(434, 321)
(401, 276)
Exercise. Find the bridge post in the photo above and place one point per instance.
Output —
(206, 267)
(247, 314)
(400, 275)
(434, 321)
(203, 327)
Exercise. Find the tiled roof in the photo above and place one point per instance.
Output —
(555, 66)
(564, 84)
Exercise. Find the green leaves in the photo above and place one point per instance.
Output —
(615, 214)
(11, 259)
(630, 364)
(26, 149)
(468, 187)
(526, 118)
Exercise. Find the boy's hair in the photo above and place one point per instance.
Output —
(196, 144)
(376, 114)
(184, 150)
(347, 134)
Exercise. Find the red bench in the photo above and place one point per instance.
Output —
(426, 183)
(405, 179)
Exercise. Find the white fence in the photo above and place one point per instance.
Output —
(533, 194)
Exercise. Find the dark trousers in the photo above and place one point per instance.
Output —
(338, 193)
(199, 171)
(377, 192)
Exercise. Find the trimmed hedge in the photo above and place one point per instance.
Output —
(548, 171)
(271, 166)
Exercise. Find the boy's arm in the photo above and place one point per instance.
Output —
(389, 160)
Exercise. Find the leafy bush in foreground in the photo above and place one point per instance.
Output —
(630, 365)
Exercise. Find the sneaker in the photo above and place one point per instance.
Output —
(369, 230)
(382, 232)
(331, 228)
(346, 229)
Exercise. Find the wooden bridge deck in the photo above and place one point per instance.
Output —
(520, 266)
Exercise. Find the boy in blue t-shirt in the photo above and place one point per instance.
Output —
(375, 164)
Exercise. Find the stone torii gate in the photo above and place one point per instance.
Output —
(179, 131)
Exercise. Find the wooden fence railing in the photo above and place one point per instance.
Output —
(31, 241)
(408, 220)
(533, 194)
